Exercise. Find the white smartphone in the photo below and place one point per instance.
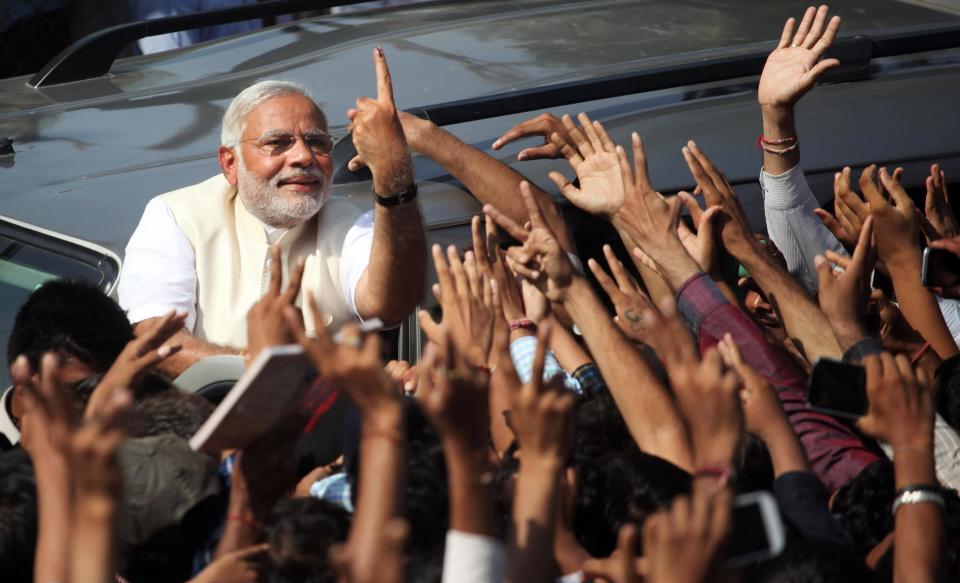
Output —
(758, 533)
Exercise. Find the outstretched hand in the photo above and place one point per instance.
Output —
(794, 67)
(378, 135)
(542, 126)
(636, 317)
(594, 157)
(266, 325)
(136, 359)
(844, 297)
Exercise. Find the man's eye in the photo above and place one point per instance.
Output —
(276, 143)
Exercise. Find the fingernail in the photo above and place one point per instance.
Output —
(521, 156)
(408, 386)
(495, 144)
(379, 52)
(163, 351)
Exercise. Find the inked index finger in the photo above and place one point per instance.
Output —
(384, 83)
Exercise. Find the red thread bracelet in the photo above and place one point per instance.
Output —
(721, 473)
(525, 323)
(761, 141)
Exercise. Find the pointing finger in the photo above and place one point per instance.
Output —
(384, 84)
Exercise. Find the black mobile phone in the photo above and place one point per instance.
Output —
(940, 268)
(838, 389)
(757, 532)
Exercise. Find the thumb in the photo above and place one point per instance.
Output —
(707, 226)
(824, 272)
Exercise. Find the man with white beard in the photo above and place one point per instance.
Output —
(206, 250)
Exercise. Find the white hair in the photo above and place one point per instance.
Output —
(250, 99)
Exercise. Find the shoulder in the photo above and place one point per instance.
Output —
(214, 190)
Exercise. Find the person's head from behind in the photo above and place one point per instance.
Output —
(810, 561)
(276, 150)
(18, 517)
(74, 320)
(300, 532)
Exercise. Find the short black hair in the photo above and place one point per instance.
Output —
(811, 561)
(72, 316)
(18, 517)
(300, 532)
(621, 487)
(170, 411)
(865, 503)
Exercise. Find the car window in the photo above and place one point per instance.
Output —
(26, 262)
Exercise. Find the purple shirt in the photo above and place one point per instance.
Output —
(835, 452)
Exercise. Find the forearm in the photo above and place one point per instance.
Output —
(396, 275)
(382, 481)
(785, 448)
(569, 353)
(92, 552)
(192, 350)
(471, 498)
(242, 527)
(644, 402)
(778, 124)
(53, 521)
(489, 179)
(802, 318)
(530, 556)
(657, 287)
(918, 304)
(918, 528)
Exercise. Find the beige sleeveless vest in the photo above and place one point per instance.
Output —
(231, 250)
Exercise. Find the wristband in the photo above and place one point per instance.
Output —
(918, 494)
(406, 196)
(782, 152)
(525, 323)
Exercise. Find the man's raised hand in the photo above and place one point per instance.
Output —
(543, 126)
(795, 66)
(378, 135)
(594, 157)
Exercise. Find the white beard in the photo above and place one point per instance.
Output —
(265, 199)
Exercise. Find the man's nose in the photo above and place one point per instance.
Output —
(299, 155)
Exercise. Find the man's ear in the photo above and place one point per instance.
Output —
(228, 163)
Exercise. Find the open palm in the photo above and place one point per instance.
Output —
(795, 66)
(593, 156)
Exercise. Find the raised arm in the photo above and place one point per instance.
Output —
(489, 179)
(901, 412)
(393, 281)
(644, 402)
(792, 70)
(802, 318)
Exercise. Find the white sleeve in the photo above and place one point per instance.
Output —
(355, 256)
(788, 206)
(950, 309)
(473, 558)
(159, 269)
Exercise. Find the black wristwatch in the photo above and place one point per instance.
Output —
(406, 196)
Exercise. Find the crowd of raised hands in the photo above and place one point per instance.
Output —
(543, 436)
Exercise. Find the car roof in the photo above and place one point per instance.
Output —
(105, 146)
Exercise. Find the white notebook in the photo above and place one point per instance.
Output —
(278, 376)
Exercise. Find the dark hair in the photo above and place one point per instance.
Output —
(170, 411)
(865, 503)
(70, 316)
(599, 428)
(752, 465)
(18, 517)
(948, 391)
(620, 487)
(810, 561)
(300, 532)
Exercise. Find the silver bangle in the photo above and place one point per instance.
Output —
(918, 497)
